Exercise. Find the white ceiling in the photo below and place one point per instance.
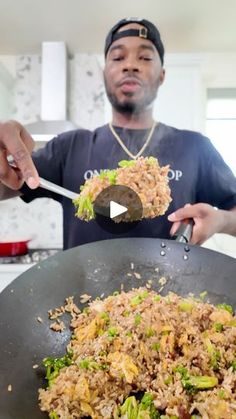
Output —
(185, 25)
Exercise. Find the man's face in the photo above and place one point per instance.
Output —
(133, 73)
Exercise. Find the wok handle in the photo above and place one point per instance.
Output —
(184, 232)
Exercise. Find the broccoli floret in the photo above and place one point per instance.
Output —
(138, 299)
(192, 383)
(132, 409)
(91, 364)
(54, 365)
(218, 327)
(215, 354)
(112, 332)
(226, 307)
(203, 294)
(53, 415)
(126, 163)
(147, 405)
(156, 346)
(185, 306)
(105, 316)
(129, 408)
(233, 365)
(137, 319)
(182, 371)
(203, 382)
(152, 160)
(215, 359)
(84, 205)
(110, 175)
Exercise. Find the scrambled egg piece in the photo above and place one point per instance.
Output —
(221, 316)
(91, 330)
(122, 365)
(82, 391)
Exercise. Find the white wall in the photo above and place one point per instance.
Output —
(219, 71)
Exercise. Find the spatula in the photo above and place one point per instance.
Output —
(57, 189)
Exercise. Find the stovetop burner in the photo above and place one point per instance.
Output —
(34, 256)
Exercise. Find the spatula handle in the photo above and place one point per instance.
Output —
(184, 232)
(57, 189)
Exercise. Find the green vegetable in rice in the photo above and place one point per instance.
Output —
(226, 307)
(137, 319)
(203, 294)
(53, 415)
(138, 299)
(129, 343)
(133, 409)
(130, 163)
(157, 298)
(129, 409)
(146, 177)
(233, 364)
(215, 354)
(156, 346)
(150, 332)
(185, 306)
(126, 163)
(110, 175)
(84, 205)
(105, 316)
(54, 365)
(89, 364)
(218, 327)
(112, 332)
(193, 383)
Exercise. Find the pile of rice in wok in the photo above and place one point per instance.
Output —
(140, 355)
(144, 176)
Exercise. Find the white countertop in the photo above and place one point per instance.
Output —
(15, 267)
(12, 267)
(10, 271)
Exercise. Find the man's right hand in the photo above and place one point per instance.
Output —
(15, 141)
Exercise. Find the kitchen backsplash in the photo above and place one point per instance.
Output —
(86, 94)
(42, 219)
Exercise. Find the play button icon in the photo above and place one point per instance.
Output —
(116, 209)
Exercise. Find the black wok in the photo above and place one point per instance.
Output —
(94, 268)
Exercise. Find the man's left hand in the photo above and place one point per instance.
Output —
(207, 221)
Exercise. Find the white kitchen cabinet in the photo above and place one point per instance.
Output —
(9, 272)
(180, 101)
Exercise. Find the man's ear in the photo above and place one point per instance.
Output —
(162, 76)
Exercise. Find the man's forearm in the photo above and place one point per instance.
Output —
(229, 222)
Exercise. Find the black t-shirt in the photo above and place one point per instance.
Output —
(197, 174)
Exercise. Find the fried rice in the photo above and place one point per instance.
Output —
(144, 176)
(141, 355)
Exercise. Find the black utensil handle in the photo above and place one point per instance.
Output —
(184, 232)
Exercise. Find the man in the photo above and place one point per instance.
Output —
(134, 56)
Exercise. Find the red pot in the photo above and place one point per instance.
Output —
(14, 248)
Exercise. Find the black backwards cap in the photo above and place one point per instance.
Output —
(149, 31)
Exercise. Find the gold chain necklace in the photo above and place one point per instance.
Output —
(134, 157)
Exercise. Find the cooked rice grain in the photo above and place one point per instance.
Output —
(145, 177)
(138, 341)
